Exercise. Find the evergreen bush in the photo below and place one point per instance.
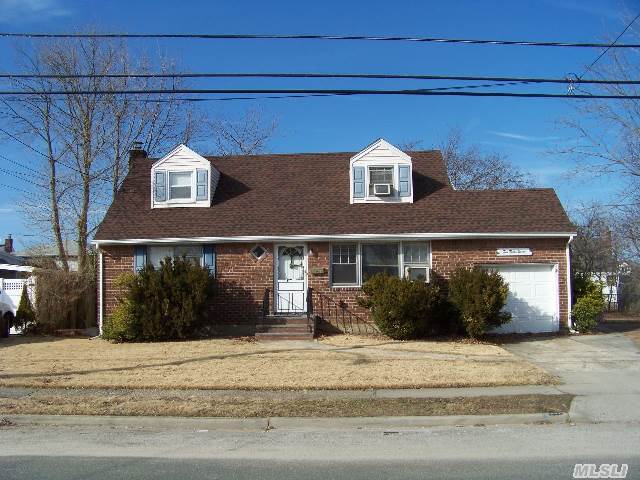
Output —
(479, 296)
(404, 309)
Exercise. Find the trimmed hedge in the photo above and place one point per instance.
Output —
(589, 306)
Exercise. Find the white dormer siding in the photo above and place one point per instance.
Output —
(182, 178)
(380, 164)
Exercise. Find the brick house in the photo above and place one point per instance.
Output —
(286, 234)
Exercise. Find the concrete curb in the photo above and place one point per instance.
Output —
(284, 423)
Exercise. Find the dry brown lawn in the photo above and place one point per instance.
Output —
(229, 406)
(339, 362)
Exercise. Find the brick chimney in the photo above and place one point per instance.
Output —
(8, 244)
(136, 151)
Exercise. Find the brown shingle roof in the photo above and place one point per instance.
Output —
(308, 194)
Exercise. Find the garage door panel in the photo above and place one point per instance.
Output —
(533, 298)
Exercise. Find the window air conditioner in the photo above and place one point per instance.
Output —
(382, 189)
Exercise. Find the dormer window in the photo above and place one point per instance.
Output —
(381, 174)
(183, 178)
(380, 181)
(180, 185)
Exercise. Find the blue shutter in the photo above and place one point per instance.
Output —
(160, 186)
(202, 184)
(404, 185)
(209, 258)
(358, 182)
(139, 257)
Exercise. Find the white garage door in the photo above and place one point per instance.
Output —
(533, 298)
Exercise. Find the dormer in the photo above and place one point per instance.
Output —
(381, 173)
(182, 178)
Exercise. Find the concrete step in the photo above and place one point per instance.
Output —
(270, 336)
(282, 328)
(282, 320)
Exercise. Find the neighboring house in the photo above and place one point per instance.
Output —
(37, 253)
(293, 232)
(13, 276)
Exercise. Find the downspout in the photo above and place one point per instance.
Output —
(569, 299)
(100, 292)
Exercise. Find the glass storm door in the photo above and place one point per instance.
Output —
(291, 283)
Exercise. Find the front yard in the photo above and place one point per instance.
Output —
(339, 362)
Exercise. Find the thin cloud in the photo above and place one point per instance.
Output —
(522, 137)
(7, 210)
(31, 10)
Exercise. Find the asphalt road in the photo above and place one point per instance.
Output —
(497, 452)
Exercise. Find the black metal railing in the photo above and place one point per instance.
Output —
(265, 303)
(340, 317)
(311, 318)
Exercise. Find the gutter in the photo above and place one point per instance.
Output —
(339, 237)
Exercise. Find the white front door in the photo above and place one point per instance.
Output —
(291, 278)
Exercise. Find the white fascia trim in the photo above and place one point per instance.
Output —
(345, 237)
(378, 142)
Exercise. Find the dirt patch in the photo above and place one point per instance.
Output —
(268, 407)
(337, 363)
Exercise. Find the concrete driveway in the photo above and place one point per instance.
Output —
(603, 370)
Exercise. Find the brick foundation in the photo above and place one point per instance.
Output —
(242, 280)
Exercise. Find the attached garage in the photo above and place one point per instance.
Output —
(533, 297)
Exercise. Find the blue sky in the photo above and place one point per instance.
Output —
(526, 131)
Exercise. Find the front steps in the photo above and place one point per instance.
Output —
(284, 327)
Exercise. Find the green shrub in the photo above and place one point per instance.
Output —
(163, 304)
(404, 309)
(589, 305)
(479, 296)
(26, 315)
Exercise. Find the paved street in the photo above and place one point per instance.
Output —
(535, 451)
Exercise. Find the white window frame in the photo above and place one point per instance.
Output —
(394, 175)
(401, 263)
(192, 198)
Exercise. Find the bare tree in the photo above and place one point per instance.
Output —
(246, 135)
(470, 168)
(86, 131)
(597, 247)
(606, 138)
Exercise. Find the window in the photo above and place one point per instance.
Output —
(180, 185)
(379, 175)
(379, 258)
(258, 251)
(416, 261)
(156, 254)
(344, 267)
(353, 263)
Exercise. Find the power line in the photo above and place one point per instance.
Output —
(384, 76)
(610, 46)
(15, 188)
(228, 36)
(415, 92)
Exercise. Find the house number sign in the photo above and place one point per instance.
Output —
(513, 252)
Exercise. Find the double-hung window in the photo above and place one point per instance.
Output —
(379, 175)
(180, 185)
(344, 264)
(416, 261)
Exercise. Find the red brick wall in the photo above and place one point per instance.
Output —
(115, 260)
(447, 255)
(242, 279)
